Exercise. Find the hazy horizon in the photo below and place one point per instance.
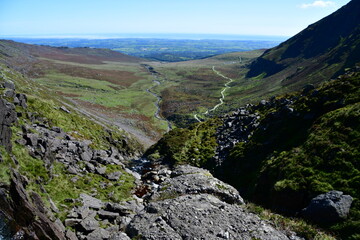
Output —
(174, 36)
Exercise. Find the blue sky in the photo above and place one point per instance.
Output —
(72, 17)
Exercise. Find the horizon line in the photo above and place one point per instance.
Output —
(193, 36)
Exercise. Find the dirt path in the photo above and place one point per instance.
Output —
(222, 94)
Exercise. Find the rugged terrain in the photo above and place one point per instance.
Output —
(281, 152)
(104, 84)
(67, 172)
(63, 176)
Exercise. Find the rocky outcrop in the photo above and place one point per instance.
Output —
(23, 215)
(7, 118)
(330, 207)
(27, 212)
(237, 127)
(189, 203)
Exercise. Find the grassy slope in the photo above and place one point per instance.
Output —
(321, 51)
(44, 105)
(289, 159)
(105, 83)
(193, 87)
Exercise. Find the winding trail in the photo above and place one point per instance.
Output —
(222, 94)
(158, 98)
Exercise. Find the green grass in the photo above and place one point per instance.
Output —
(77, 84)
(89, 184)
(192, 86)
(299, 226)
(194, 145)
(52, 181)
(5, 165)
(290, 158)
(127, 102)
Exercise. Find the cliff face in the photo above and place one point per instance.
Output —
(323, 50)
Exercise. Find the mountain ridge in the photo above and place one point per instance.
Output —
(329, 45)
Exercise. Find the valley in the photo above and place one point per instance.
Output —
(181, 141)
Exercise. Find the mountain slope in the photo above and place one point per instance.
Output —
(103, 83)
(63, 177)
(283, 152)
(321, 51)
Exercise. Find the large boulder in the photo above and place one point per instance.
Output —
(201, 216)
(191, 180)
(327, 208)
(192, 204)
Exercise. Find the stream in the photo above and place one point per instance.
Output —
(222, 94)
(158, 98)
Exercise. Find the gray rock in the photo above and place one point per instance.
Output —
(70, 235)
(56, 129)
(16, 101)
(91, 202)
(98, 234)
(84, 212)
(263, 102)
(64, 109)
(7, 118)
(187, 169)
(124, 222)
(90, 167)
(195, 181)
(60, 225)
(125, 208)
(108, 215)
(72, 170)
(86, 156)
(119, 236)
(101, 170)
(32, 139)
(134, 174)
(72, 147)
(114, 176)
(73, 214)
(330, 207)
(10, 93)
(71, 222)
(9, 84)
(89, 224)
(53, 206)
(200, 216)
(22, 100)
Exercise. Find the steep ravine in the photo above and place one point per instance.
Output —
(58, 184)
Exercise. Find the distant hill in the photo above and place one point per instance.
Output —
(13, 50)
(97, 80)
(163, 49)
(321, 51)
